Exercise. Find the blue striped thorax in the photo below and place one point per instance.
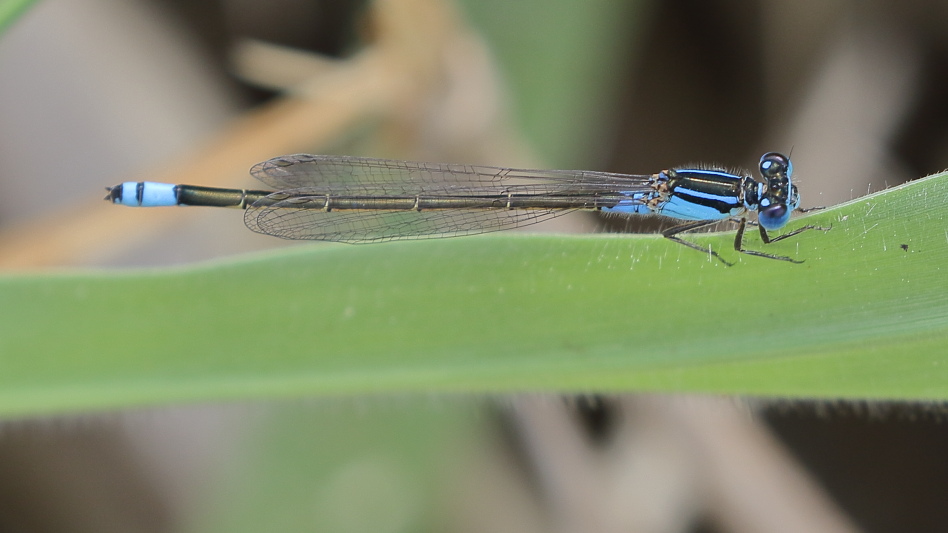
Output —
(716, 194)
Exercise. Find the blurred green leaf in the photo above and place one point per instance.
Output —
(389, 466)
(865, 316)
(10, 10)
(559, 61)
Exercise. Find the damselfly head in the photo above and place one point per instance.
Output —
(781, 197)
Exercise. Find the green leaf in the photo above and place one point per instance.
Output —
(10, 10)
(865, 316)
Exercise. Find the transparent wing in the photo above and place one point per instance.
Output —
(302, 217)
(297, 211)
(322, 172)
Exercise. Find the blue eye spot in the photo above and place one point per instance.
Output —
(773, 164)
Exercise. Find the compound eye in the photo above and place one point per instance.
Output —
(774, 217)
(773, 164)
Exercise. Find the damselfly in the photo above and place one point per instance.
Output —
(361, 200)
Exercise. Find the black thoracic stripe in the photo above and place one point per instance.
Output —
(721, 206)
(140, 192)
(686, 183)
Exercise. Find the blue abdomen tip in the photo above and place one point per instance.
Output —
(146, 194)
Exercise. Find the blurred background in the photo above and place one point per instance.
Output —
(96, 92)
